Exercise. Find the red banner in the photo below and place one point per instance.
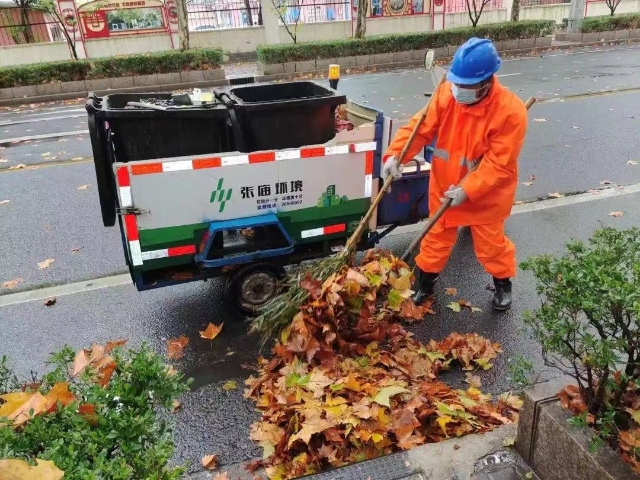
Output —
(95, 24)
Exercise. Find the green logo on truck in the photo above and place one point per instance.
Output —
(221, 195)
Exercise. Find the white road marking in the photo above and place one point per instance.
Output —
(125, 279)
(508, 75)
(32, 120)
(42, 136)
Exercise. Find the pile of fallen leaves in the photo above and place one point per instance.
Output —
(348, 383)
(625, 440)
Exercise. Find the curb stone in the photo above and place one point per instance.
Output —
(471, 457)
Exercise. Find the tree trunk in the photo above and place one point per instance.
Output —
(26, 28)
(247, 5)
(183, 24)
(361, 19)
(515, 11)
(71, 43)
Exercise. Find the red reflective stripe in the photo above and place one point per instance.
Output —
(123, 177)
(146, 169)
(262, 157)
(132, 227)
(335, 229)
(368, 165)
(201, 163)
(352, 147)
(312, 152)
(184, 250)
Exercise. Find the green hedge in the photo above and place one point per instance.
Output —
(69, 71)
(607, 23)
(401, 42)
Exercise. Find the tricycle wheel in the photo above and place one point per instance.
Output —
(255, 285)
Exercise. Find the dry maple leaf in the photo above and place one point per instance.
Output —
(616, 214)
(451, 291)
(16, 469)
(556, 195)
(222, 476)
(211, 331)
(210, 462)
(46, 263)
(20, 405)
(11, 284)
(310, 427)
(59, 393)
(175, 347)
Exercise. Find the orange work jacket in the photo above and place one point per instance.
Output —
(492, 130)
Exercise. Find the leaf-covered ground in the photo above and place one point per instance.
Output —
(348, 383)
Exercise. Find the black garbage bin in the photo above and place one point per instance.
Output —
(282, 115)
(120, 133)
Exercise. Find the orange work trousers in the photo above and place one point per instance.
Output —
(494, 250)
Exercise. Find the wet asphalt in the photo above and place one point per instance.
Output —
(48, 217)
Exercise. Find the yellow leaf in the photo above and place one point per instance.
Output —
(376, 437)
(635, 414)
(230, 385)
(19, 405)
(12, 283)
(46, 263)
(175, 406)
(455, 306)
(443, 421)
(310, 427)
(384, 395)
(14, 469)
(211, 331)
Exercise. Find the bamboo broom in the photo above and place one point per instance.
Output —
(278, 312)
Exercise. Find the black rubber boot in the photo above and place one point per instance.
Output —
(502, 298)
(425, 284)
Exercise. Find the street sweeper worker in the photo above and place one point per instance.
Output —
(471, 118)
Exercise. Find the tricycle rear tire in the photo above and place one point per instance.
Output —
(254, 285)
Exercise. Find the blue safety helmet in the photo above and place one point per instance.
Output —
(474, 62)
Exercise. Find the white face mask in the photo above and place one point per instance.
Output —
(466, 96)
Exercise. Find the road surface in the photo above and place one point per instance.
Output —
(578, 140)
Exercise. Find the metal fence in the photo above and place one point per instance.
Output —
(536, 3)
(223, 14)
(457, 6)
(32, 26)
(313, 11)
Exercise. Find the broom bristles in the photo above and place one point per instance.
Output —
(280, 310)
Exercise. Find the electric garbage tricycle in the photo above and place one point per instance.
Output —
(243, 184)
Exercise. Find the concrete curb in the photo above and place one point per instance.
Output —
(557, 450)
(469, 457)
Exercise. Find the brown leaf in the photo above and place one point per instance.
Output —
(88, 412)
(11, 284)
(310, 427)
(616, 214)
(175, 406)
(114, 344)
(222, 476)
(46, 263)
(211, 331)
(16, 469)
(451, 291)
(175, 347)
(210, 462)
(76, 250)
(631, 437)
(50, 302)
(19, 166)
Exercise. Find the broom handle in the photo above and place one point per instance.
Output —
(447, 203)
(355, 237)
